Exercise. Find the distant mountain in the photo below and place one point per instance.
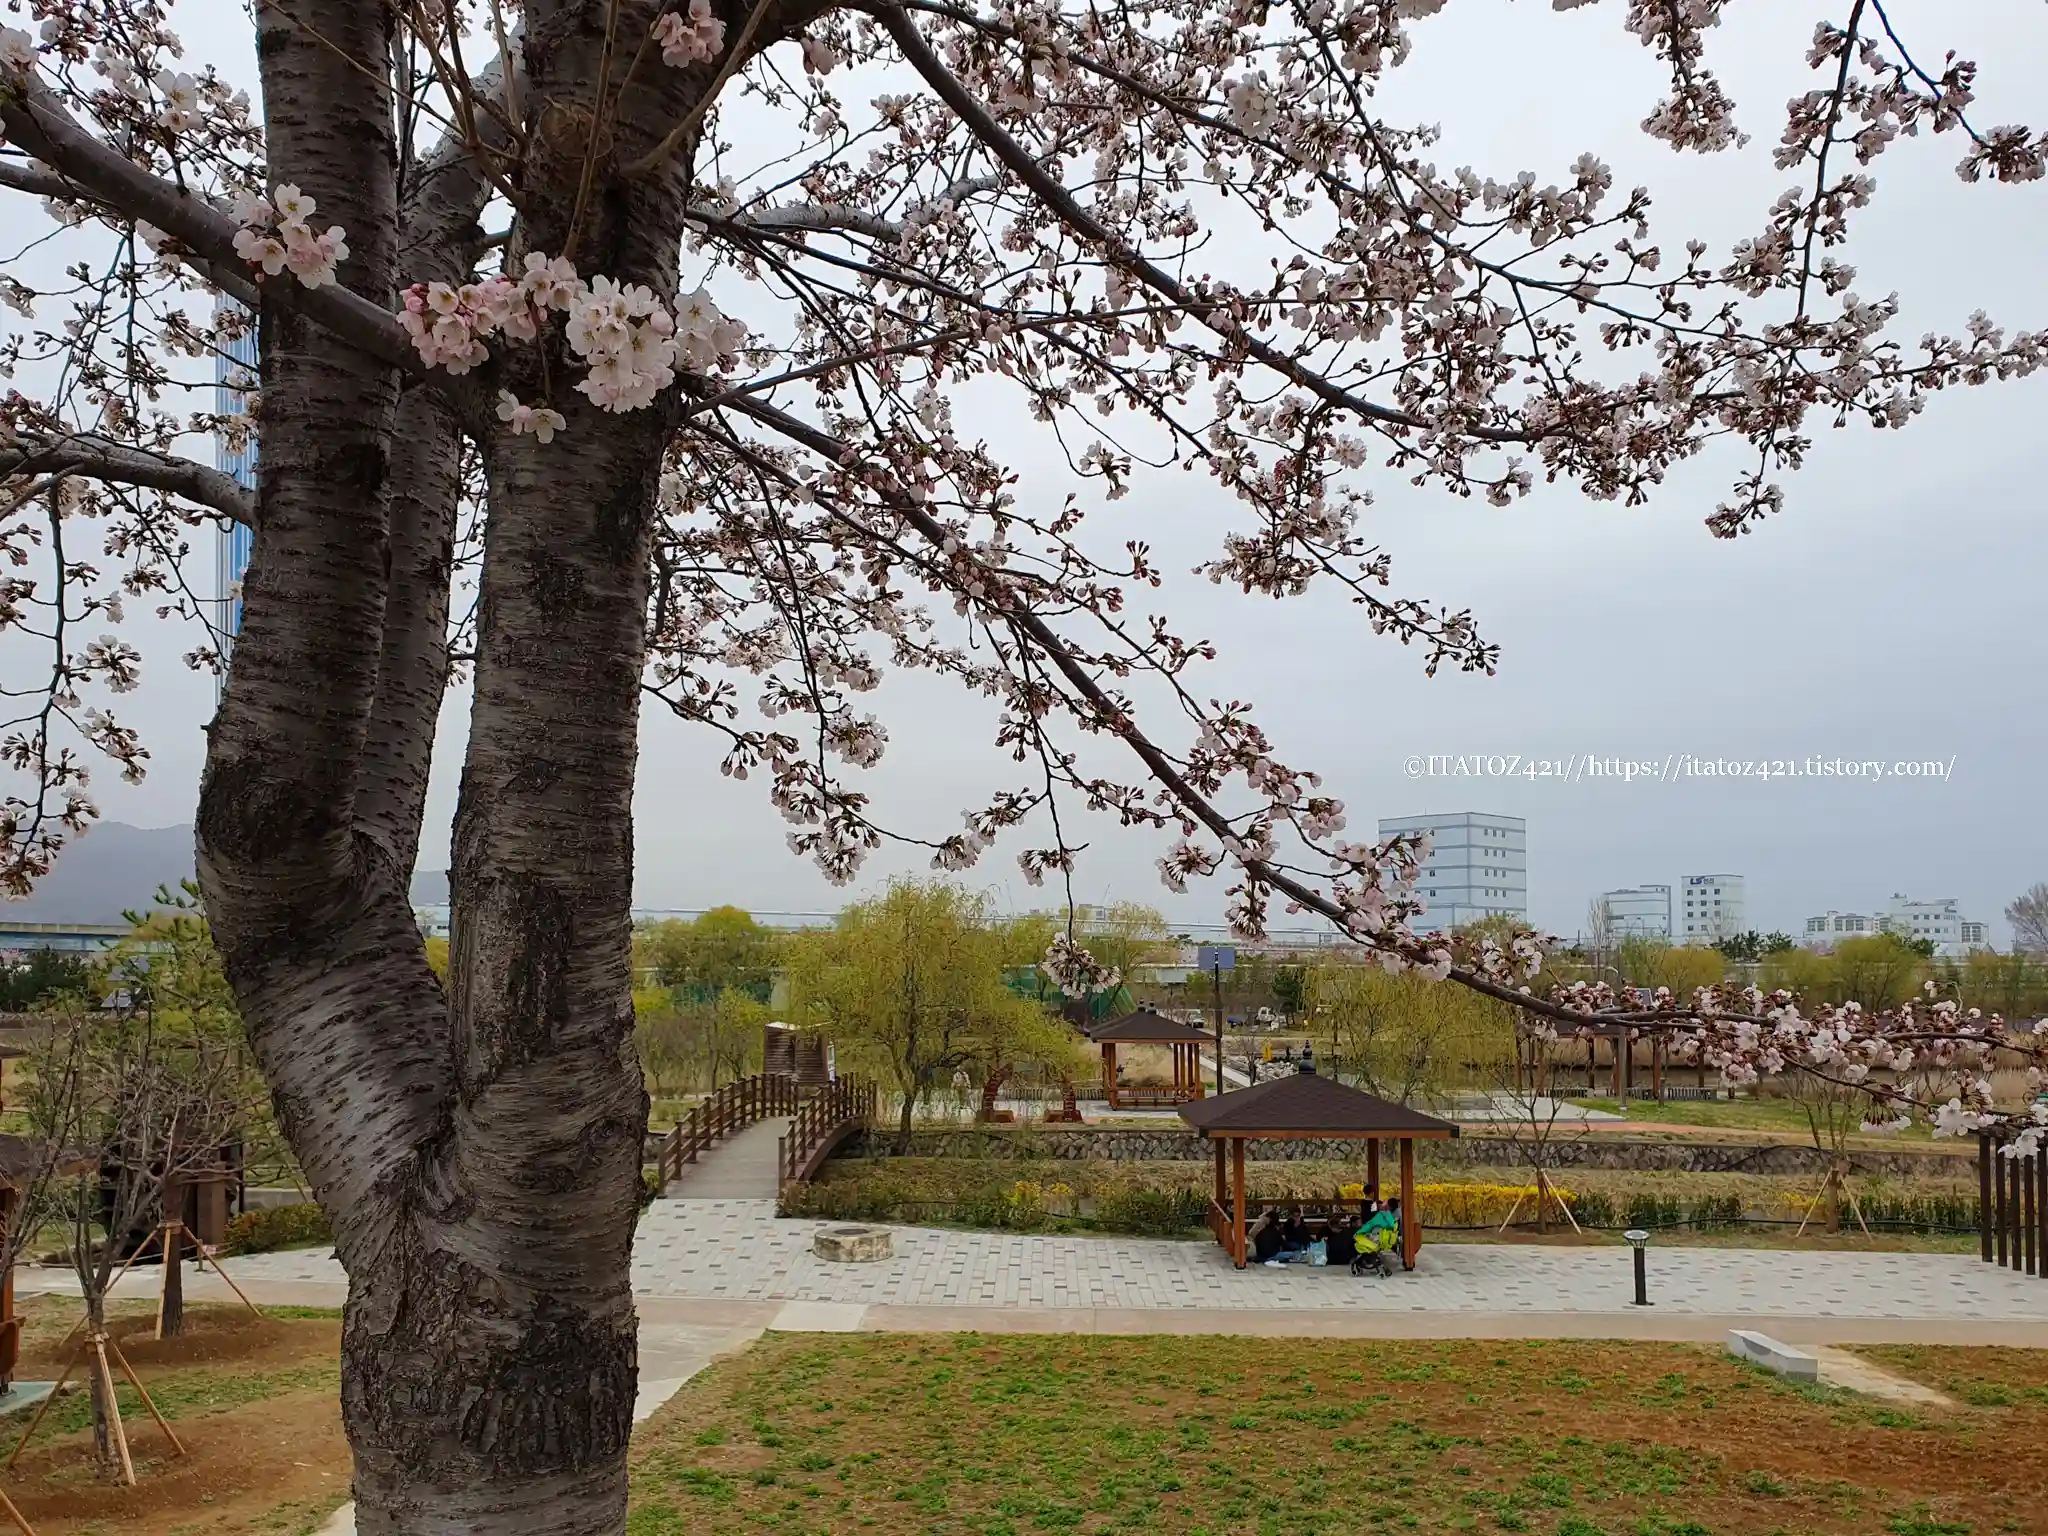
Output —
(430, 888)
(110, 870)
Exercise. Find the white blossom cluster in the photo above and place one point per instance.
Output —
(276, 234)
(629, 341)
(1069, 966)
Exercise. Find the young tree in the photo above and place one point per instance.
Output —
(484, 288)
(132, 1101)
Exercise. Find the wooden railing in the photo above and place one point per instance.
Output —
(2012, 1207)
(732, 1108)
(826, 1119)
(1151, 1096)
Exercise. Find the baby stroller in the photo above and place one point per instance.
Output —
(1375, 1242)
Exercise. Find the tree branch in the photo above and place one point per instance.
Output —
(100, 458)
(829, 216)
(1216, 316)
(35, 120)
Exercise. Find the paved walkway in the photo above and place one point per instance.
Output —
(736, 1257)
(744, 1166)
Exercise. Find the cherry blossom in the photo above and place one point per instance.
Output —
(539, 420)
(17, 50)
(692, 39)
(274, 235)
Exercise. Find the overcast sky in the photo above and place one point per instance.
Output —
(1893, 611)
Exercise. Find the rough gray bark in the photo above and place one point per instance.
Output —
(478, 1151)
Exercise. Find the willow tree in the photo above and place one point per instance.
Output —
(494, 258)
(910, 986)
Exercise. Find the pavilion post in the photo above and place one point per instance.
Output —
(1222, 1189)
(1411, 1225)
(1109, 1074)
(1237, 1199)
(1372, 1167)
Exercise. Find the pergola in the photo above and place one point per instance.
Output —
(1145, 1027)
(1305, 1106)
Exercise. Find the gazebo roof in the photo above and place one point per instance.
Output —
(1305, 1103)
(1144, 1027)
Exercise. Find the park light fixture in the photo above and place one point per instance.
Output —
(1638, 1239)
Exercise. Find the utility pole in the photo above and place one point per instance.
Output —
(1216, 988)
(1216, 959)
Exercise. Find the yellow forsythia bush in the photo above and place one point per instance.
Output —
(1478, 1205)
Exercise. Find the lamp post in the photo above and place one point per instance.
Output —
(1638, 1239)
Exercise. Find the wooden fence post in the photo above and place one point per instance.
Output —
(1999, 1182)
(2023, 1172)
(2041, 1206)
(1984, 1196)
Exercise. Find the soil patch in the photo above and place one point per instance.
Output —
(252, 1399)
(214, 1335)
(265, 1467)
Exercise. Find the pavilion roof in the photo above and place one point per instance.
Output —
(1307, 1103)
(1144, 1027)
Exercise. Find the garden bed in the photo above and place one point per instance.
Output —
(1168, 1199)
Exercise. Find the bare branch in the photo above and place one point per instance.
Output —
(100, 458)
(34, 119)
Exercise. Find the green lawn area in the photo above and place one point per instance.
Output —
(1780, 1115)
(1207, 1436)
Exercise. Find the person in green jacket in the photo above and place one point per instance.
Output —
(1376, 1239)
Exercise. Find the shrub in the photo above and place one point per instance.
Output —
(1150, 1212)
(277, 1226)
(1481, 1205)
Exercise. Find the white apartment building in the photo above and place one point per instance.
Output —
(1940, 922)
(1831, 927)
(1478, 866)
(1707, 909)
(1638, 912)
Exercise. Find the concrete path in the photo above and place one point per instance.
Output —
(724, 1252)
(744, 1166)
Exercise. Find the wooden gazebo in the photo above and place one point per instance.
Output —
(1305, 1106)
(1144, 1027)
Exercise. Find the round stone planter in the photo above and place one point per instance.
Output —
(853, 1245)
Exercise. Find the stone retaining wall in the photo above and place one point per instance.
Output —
(1597, 1150)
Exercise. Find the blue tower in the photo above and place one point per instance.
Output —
(234, 365)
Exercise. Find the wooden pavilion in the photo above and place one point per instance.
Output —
(1305, 1106)
(1144, 1027)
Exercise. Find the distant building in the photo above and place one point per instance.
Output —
(1708, 909)
(235, 370)
(1830, 928)
(1941, 923)
(1638, 912)
(1478, 866)
(20, 940)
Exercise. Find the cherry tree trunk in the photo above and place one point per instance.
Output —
(477, 1148)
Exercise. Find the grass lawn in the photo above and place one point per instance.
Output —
(1200, 1436)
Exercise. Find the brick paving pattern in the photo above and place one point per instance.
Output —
(736, 1250)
